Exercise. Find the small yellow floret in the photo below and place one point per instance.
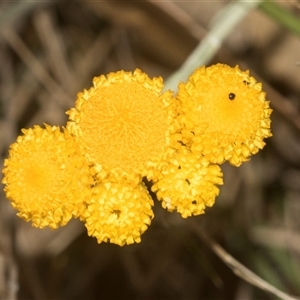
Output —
(188, 184)
(225, 115)
(46, 178)
(119, 213)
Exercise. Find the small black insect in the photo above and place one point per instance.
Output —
(231, 96)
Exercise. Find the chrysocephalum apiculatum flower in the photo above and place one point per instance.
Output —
(224, 114)
(188, 183)
(46, 177)
(123, 123)
(119, 213)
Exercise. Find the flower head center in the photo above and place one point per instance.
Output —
(116, 212)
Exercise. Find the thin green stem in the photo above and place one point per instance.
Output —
(221, 26)
(281, 15)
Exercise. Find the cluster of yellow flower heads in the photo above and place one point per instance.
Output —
(124, 130)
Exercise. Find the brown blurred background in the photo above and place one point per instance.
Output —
(51, 50)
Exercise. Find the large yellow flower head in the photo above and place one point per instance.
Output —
(119, 213)
(46, 177)
(188, 184)
(225, 115)
(122, 123)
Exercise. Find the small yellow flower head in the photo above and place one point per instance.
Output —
(225, 115)
(122, 123)
(119, 213)
(188, 184)
(46, 178)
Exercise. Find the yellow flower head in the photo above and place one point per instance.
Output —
(225, 115)
(46, 178)
(188, 184)
(119, 213)
(122, 123)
